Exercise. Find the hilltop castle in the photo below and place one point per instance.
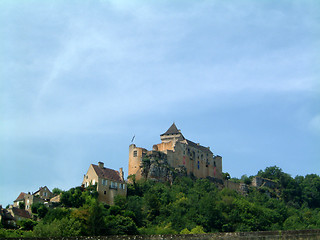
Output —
(180, 153)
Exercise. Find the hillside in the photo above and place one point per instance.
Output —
(185, 206)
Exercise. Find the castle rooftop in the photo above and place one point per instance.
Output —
(172, 130)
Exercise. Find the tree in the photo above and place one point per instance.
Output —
(273, 173)
(42, 211)
(35, 207)
(22, 205)
(58, 228)
(56, 213)
(27, 224)
(73, 198)
(226, 176)
(119, 225)
(247, 180)
(311, 190)
(96, 221)
(56, 191)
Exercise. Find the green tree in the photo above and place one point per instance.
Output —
(22, 205)
(226, 176)
(56, 213)
(96, 221)
(119, 225)
(42, 211)
(35, 207)
(57, 191)
(58, 228)
(27, 224)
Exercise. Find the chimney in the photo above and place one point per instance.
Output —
(121, 174)
(101, 164)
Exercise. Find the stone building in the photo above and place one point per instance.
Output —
(19, 214)
(43, 195)
(110, 183)
(263, 182)
(180, 153)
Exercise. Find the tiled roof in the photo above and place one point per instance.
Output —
(20, 197)
(172, 130)
(107, 173)
(202, 148)
(41, 189)
(20, 212)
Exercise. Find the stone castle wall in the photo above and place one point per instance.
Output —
(198, 163)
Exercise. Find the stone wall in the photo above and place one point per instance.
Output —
(267, 235)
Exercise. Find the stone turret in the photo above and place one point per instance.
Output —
(172, 134)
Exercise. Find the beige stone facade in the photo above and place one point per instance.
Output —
(110, 183)
(263, 182)
(43, 195)
(181, 152)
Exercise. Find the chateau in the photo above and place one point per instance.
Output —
(180, 153)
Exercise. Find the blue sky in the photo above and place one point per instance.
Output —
(79, 78)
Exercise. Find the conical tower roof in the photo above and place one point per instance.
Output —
(172, 130)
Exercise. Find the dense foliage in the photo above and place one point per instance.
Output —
(187, 206)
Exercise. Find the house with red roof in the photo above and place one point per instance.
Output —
(19, 214)
(110, 183)
(42, 195)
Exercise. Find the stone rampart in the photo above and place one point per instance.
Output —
(266, 235)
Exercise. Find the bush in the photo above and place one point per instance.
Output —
(42, 211)
(119, 225)
(27, 224)
(58, 228)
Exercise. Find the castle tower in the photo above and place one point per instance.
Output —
(135, 158)
(172, 134)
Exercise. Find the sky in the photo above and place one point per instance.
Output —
(79, 79)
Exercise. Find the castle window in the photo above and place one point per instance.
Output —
(105, 192)
(135, 153)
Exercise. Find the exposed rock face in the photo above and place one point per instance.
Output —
(155, 167)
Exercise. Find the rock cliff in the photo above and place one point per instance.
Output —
(154, 166)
